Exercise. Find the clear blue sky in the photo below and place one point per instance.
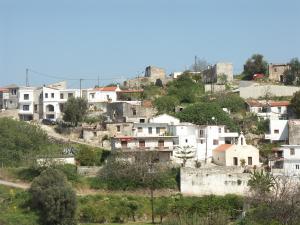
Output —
(119, 38)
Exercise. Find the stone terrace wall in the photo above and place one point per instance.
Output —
(214, 180)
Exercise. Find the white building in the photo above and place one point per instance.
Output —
(236, 154)
(287, 160)
(54, 100)
(268, 109)
(203, 138)
(103, 94)
(278, 131)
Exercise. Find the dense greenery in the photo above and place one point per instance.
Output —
(21, 143)
(295, 104)
(233, 102)
(112, 208)
(75, 110)
(53, 198)
(206, 113)
(292, 75)
(166, 104)
(256, 64)
(118, 174)
(90, 156)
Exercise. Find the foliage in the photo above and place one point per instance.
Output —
(206, 113)
(53, 197)
(292, 75)
(256, 64)
(151, 92)
(185, 153)
(75, 110)
(230, 101)
(94, 119)
(21, 142)
(261, 182)
(185, 89)
(121, 174)
(89, 156)
(295, 104)
(166, 104)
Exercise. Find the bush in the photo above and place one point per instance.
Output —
(53, 198)
(89, 156)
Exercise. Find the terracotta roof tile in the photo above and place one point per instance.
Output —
(223, 148)
(111, 88)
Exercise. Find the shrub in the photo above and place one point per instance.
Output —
(53, 198)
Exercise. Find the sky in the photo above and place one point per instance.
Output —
(117, 39)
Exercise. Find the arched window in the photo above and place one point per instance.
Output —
(50, 108)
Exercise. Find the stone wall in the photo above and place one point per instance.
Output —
(215, 180)
(254, 90)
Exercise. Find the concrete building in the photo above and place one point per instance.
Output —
(10, 98)
(130, 111)
(54, 100)
(276, 71)
(278, 131)
(239, 154)
(3, 96)
(294, 132)
(275, 110)
(218, 73)
(147, 137)
(103, 94)
(30, 106)
(287, 160)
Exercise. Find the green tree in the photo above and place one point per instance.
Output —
(231, 101)
(162, 207)
(54, 198)
(206, 113)
(292, 75)
(185, 89)
(166, 104)
(295, 104)
(261, 182)
(88, 156)
(75, 110)
(256, 64)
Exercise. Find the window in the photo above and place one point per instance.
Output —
(292, 151)
(92, 95)
(297, 166)
(13, 91)
(149, 130)
(61, 95)
(70, 95)
(52, 95)
(250, 161)
(220, 130)
(201, 133)
(142, 120)
(157, 130)
(35, 108)
(215, 142)
(134, 112)
(26, 96)
(186, 140)
(25, 107)
(202, 142)
(161, 143)
(118, 128)
(107, 97)
(140, 129)
(61, 107)
(279, 109)
(235, 161)
(124, 144)
(46, 95)
(142, 143)
(276, 131)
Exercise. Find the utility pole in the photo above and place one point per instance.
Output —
(98, 81)
(27, 80)
(80, 80)
(195, 64)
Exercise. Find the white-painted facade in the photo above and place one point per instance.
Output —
(54, 99)
(236, 154)
(278, 131)
(105, 94)
(26, 100)
(289, 161)
(165, 118)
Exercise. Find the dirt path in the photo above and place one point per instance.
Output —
(15, 185)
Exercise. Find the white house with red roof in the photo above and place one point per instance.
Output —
(239, 154)
(268, 109)
(103, 94)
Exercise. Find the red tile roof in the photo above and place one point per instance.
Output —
(281, 103)
(256, 103)
(111, 88)
(223, 148)
(3, 90)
